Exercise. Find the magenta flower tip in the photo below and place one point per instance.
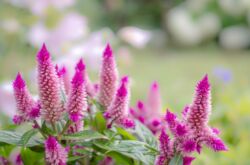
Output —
(164, 137)
(181, 130)
(19, 83)
(189, 146)
(106, 115)
(80, 66)
(203, 85)
(140, 105)
(156, 122)
(60, 71)
(108, 51)
(51, 143)
(125, 79)
(170, 117)
(155, 85)
(78, 78)
(17, 120)
(216, 131)
(217, 144)
(75, 117)
(128, 123)
(43, 55)
(187, 160)
(122, 91)
(35, 112)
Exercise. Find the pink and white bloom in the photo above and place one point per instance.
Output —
(118, 111)
(24, 101)
(49, 87)
(108, 78)
(77, 101)
(54, 153)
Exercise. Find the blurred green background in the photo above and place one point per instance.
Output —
(174, 42)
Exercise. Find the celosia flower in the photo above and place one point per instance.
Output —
(63, 75)
(149, 113)
(54, 153)
(49, 87)
(118, 110)
(77, 101)
(90, 88)
(4, 161)
(108, 78)
(24, 100)
(193, 131)
(166, 149)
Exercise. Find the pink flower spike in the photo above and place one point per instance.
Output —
(154, 99)
(55, 154)
(128, 123)
(49, 87)
(200, 109)
(35, 112)
(216, 144)
(80, 66)
(187, 160)
(108, 78)
(77, 101)
(108, 51)
(118, 111)
(166, 147)
(170, 117)
(60, 71)
(161, 160)
(24, 100)
(216, 131)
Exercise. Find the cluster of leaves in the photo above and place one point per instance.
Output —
(95, 142)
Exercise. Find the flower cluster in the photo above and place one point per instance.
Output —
(68, 105)
(149, 112)
(193, 131)
(60, 98)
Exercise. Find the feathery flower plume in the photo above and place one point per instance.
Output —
(63, 75)
(55, 154)
(106, 161)
(166, 149)
(154, 99)
(24, 100)
(200, 109)
(108, 78)
(77, 101)
(49, 87)
(187, 160)
(118, 110)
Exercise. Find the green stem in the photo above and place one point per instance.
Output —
(39, 129)
(65, 128)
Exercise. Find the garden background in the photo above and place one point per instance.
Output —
(174, 42)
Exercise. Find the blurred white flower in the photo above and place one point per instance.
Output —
(210, 25)
(39, 7)
(182, 28)
(10, 25)
(60, 38)
(90, 49)
(235, 37)
(7, 100)
(135, 36)
(235, 7)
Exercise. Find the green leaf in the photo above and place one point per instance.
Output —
(14, 138)
(119, 158)
(46, 129)
(176, 160)
(27, 136)
(30, 158)
(84, 135)
(133, 149)
(99, 122)
(145, 135)
(126, 135)
(74, 158)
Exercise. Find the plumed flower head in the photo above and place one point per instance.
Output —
(108, 78)
(154, 99)
(199, 110)
(118, 110)
(55, 154)
(49, 87)
(24, 100)
(187, 160)
(64, 78)
(77, 102)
